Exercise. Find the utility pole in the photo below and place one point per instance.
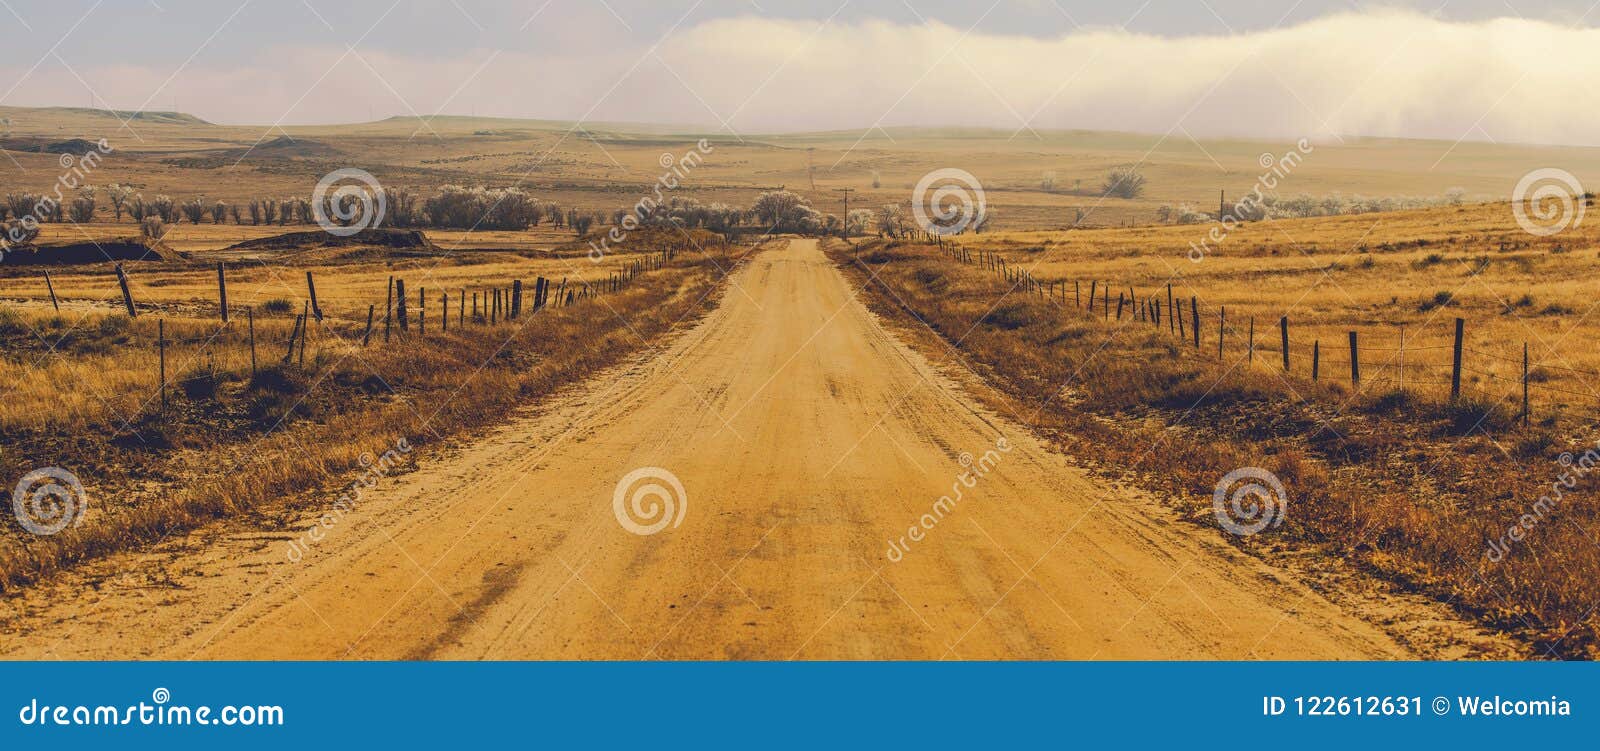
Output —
(1222, 202)
(844, 224)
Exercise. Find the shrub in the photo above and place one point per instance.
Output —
(1440, 299)
(200, 384)
(153, 228)
(1470, 413)
(1013, 315)
(1124, 182)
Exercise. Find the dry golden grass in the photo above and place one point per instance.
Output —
(1407, 487)
(68, 373)
(1381, 275)
(85, 394)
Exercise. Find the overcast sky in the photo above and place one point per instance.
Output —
(1502, 70)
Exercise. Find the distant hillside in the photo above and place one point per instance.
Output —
(143, 116)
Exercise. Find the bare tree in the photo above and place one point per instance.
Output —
(194, 210)
(891, 220)
(166, 209)
(82, 209)
(118, 195)
(219, 213)
(858, 221)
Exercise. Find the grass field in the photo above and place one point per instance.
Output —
(1397, 279)
(604, 167)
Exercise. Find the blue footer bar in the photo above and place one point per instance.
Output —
(791, 705)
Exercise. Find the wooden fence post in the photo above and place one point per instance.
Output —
(127, 295)
(1455, 366)
(367, 335)
(1194, 321)
(444, 311)
(422, 311)
(1183, 335)
(1402, 358)
(52, 289)
(1094, 286)
(1172, 313)
(388, 305)
(222, 291)
(461, 308)
(1119, 306)
(400, 304)
(1316, 358)
(305, 330)
(1355, 361)
(1525, 410)
(1283, 331)
(288, 355)
(311, 288)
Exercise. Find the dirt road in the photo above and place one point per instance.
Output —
(806, 438)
